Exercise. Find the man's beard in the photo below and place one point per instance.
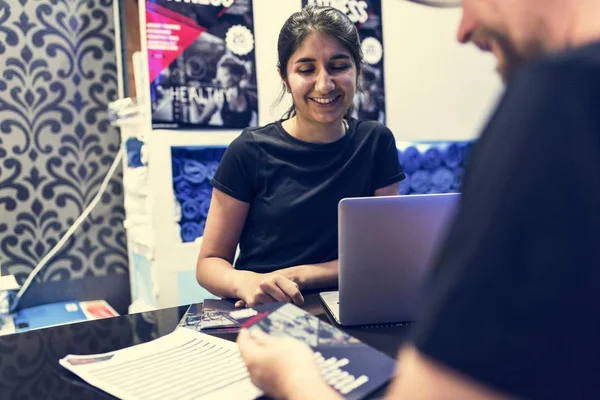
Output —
(510, 60)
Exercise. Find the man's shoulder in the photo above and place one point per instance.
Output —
(585, 56)
(552, 87)
(573, 70)
(548, 103)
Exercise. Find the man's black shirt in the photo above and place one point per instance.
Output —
(514, 300)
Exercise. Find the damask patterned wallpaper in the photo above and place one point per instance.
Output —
(57, 74)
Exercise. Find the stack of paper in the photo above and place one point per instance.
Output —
(185, 364)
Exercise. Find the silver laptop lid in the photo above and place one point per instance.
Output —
(386, 246)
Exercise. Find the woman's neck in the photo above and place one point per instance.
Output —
(314, 132)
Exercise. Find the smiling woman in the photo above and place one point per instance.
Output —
(277, 187)
(321, 76)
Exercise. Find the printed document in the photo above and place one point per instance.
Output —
(185, 364)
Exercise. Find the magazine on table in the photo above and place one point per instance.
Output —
(351, 367)
(216, 316)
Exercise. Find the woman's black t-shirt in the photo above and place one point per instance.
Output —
(294, 188)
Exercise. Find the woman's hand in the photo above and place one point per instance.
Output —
(256, 289)
(282, 367)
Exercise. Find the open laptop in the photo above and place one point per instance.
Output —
(386, 247)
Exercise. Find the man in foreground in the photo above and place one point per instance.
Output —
(513, 309)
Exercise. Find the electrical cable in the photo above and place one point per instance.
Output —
(70, 231)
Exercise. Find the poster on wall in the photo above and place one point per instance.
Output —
(369, 101)
(202, 67)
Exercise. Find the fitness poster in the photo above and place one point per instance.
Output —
(369, 101)
(202, 66)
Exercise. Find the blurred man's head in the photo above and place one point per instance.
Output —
(517, 31)
(514, 30)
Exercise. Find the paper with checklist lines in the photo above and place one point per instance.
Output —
(182, 365)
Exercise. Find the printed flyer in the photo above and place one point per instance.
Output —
(202, 66)
(351, 367)
(366, 14)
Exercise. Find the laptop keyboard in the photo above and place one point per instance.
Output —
(340, 380)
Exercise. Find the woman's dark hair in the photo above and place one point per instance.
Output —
(234, 65)
(324, 20)
(369, 74)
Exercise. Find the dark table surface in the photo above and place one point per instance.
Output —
(29, 367)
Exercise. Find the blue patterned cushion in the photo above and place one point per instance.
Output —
(433, 167)
(193, 168)
(430, 167)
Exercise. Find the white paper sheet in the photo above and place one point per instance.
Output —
(185, 364)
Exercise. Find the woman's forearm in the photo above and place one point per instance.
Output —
(313, 276)
(218, 277)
